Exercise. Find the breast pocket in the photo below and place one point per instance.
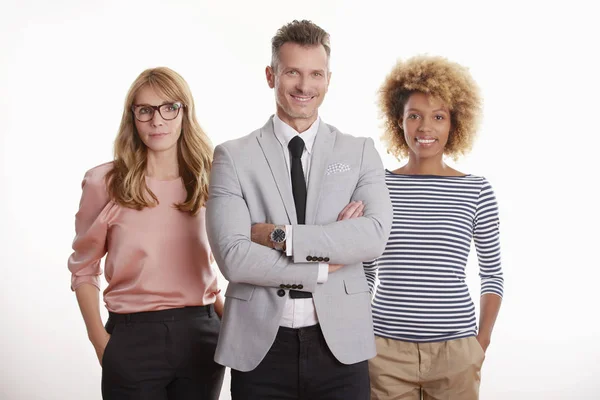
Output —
(240, 291)
(339, 181)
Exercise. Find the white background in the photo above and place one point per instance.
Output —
(66, 66)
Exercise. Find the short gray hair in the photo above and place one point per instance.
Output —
(304, 33)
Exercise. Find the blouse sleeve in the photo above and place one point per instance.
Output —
(486, 235)
(91, 228)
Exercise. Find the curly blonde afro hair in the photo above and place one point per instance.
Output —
(440, 78)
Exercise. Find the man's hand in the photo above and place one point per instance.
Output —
(354, 209)
(261, 234)
(334, 267)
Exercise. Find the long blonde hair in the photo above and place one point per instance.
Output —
(126, 182)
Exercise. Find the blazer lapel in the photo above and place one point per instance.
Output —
(272, 150)
(322, 150)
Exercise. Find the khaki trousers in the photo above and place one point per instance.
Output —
(449, 370)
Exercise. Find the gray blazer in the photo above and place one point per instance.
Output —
(250, 183)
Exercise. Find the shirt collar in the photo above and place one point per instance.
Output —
(285, 133)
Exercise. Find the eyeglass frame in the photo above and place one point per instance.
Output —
(157, 108)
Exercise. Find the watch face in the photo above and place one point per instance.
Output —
(278, 235)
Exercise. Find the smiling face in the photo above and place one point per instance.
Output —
(157, 134)
(426, 124)
(300, 79)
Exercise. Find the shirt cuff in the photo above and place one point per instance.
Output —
(288, 241)
(77, 281)
(323, 273)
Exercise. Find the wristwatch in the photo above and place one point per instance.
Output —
(278, 237)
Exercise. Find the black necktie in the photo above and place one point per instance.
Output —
(296, 146)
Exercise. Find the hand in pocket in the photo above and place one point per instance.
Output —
(100, 345)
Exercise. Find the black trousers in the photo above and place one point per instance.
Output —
(162, 355)
(300, 366)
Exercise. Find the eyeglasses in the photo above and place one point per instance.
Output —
(145, 112)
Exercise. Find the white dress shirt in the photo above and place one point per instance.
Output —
(298, 312)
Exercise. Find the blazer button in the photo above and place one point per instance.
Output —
(308, 258)
(282, 286)
(288, 286)
(294, 286)
(281, 293)
(326, 259)
(300, 286)
(321, 259)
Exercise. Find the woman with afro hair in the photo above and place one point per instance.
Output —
(428, 342)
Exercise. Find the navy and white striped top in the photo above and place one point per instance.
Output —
(422, 295)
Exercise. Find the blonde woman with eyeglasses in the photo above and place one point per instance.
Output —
(145, 212)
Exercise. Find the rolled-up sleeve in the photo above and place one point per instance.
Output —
(91, 228)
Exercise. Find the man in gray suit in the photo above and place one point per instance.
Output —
(297, 320)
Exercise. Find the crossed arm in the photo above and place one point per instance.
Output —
(228, 225)
(344, 242)
(353, 240)
(261, 232)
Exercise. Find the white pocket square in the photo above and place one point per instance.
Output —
(336, 168)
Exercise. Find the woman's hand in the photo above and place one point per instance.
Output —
(219, 304)
(99, 342)
(484, 341)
